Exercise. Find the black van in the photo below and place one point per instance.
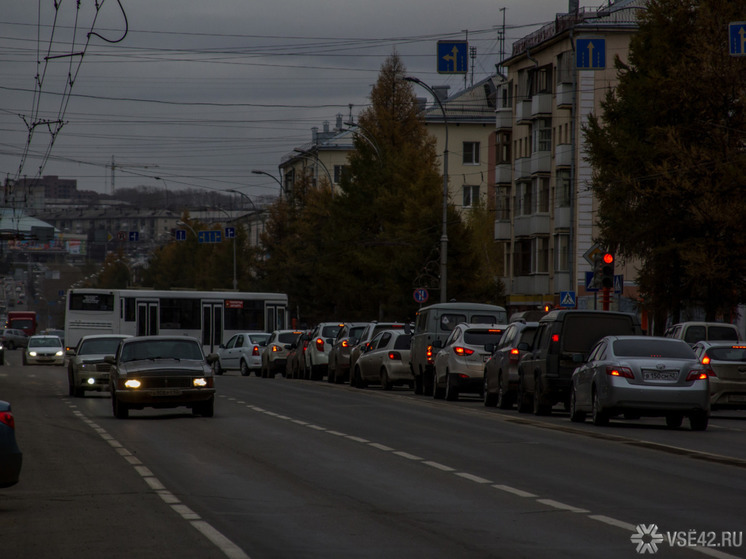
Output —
(561, 343)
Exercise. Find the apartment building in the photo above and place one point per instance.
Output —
(545, 210)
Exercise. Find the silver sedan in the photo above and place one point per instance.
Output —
(641, 376)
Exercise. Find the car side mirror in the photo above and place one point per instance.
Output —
(70, 352)
(523, 346)
(212, 358)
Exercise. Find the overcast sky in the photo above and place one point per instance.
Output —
(200, 93)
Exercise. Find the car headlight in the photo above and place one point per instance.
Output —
(200, 382)
(59, 353)
(132, 383)
(32, 353)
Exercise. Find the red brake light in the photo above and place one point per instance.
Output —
(555, 337)
(7, 418)
(620, 372)
(697, 374)
(458, 350)
(275, 348)
(320, 344)
(345, 343)
(394, 355)
(255, 351)
(429, 354)
(515, 351)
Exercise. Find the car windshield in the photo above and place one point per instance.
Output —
(482, 337)
(287, 337)
(583, 331)
(161, 349)
(101, 346)
(356, 331)
(330, 331)
(670, 349)
(260, 339)
(46, 341)
(721, 333)
(727, 353)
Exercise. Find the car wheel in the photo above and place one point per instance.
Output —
(438, 393)
(490, 400)
(216, 368)
(418, 388)
(504, 399)
(539, 407)
(451, 389)
(524, 400)
(120, 409)
(244, 369)
(674, 420)
(385, 382)
(575, 415)
(599, 416)
(698, 421)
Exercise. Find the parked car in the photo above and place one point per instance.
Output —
(370, 332)
(501, 370)
(86, 368)
(242, 352)
(13, 338)
(459, 365)
(641, 376)
(44, 350)
(562, 342)
(339, 355)
(693, 332)
(274, 357)
(319, 346)
(384, 361)
(725, 363)
(436, 322)
(161, 372)
(295, 367)
(11, 456)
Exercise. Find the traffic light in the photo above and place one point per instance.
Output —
(607, 270)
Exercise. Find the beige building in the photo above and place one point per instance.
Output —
(545, 211)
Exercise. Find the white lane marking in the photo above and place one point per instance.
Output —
(562, 506)
(317, 427)
(231, 550)
(357, 439)
(514, 491)
(407, 455)
(472, 477)
(380, 446)
(439, 466)
(613, 522)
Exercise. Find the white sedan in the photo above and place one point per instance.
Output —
(44, 350)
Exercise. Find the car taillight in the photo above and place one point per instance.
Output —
(255, 350)
(429, 354)
(458, 350)
(394, 355)
(708, 367)
(345, 343)
(697, 374)
(619, 372)
(7, 418)
(514, 355)
(276, 348)
(319, 344)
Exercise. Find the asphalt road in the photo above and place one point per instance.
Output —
(291, 468)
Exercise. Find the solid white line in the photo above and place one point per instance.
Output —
(231, 550)
(143, 471)
(472, 477)
(337, 433)
(562, 506)
(514, 491)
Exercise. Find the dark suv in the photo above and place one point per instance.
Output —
(561, 343)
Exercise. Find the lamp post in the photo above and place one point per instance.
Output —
(165, 185)
(314, 157)
(444, 236)
(367, 136)
(270, 175)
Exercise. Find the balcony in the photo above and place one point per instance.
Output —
(503, 173)
(522, 168)
(504, 118)
(535, 284)
(562, 217)
(541, 162)
(562, 282)
(536, 224)
(541, 104)
(523, 112)
(563, 155)
(502, 230)
(565, 96)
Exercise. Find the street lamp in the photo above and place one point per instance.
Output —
(270, 175)
(444, 236)
(367, 136)
(253, 205)
(305, 154)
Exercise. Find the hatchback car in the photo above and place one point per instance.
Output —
(385, 361)
(501, 370)
(319, 347)
(339, 356)
(242, 352)
(161, 372)
(459, 365)
(725, 363)
(275, 355)
(44, 350)
(370, 332)
(13, 338)
(86, 368)
(641, 376)
(10, 455)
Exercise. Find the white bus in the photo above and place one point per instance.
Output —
(211, 316)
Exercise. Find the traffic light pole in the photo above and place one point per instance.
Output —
(606, 298)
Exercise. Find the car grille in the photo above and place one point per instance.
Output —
(103, 367)
(166, 382)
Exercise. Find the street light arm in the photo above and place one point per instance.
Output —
(253, 205)
(313, 157)
(270, 175)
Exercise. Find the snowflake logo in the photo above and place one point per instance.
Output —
(646, 538)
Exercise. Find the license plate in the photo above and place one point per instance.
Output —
(168, 392)
(661, 375)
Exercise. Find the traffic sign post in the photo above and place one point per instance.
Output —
(452, 57)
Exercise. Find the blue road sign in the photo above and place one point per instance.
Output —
(230, 232)
(589, 282)
(209, 237)
(421, 295)
(134, 236)
(590, 54)
(567, 299)
(737, 38)
(452, 57)
(181, 234)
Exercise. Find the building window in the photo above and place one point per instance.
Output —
(339, 172)
(563, 188)
(542, 194)
(471, 195)
(524, 199)
(541, 252)
(502, 148)
(502, 204)
(562, 253)
(542, 132)
(522, 257)
(471, 153)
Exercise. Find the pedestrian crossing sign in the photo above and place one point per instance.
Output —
(567, 299)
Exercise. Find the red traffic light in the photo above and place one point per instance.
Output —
(608, 258)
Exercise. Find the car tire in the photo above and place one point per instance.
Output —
(524, 402)
(244, 369)
(418, 389)
(575, 415)
(539, 407)
(120, 409)
(504, 399)
(451, 391)
(216, 368)
(698, 421)
(385, 382)
(438, 393)
(599, 416)
(489, 399)
(674, 420)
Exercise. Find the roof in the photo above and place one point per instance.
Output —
(17, 221)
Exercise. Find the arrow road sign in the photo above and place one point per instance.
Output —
(590, 54)
(737, 38)
(452, 57)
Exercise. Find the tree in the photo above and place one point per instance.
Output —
(115, 273)
(668, 157)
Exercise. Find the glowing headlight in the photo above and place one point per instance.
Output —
(132, 383)
(201, 382)
(59, 353)
(32, 353)
(91, 381)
